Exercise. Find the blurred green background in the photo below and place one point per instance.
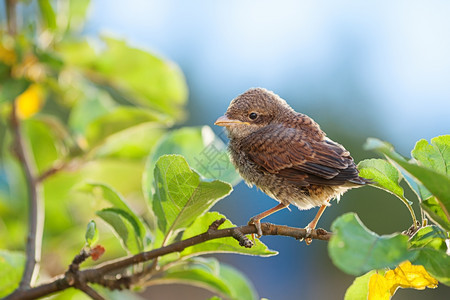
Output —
(376, 68)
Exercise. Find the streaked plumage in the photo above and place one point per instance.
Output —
(285, 153)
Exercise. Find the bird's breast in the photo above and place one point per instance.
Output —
(277, 187)
(248, 170)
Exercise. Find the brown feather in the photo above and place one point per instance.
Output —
(285, 153)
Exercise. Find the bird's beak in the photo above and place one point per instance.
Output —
(225, 121)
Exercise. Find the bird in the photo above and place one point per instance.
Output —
(286, 155)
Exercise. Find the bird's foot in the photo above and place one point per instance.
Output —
(255, 221)
(308, 239)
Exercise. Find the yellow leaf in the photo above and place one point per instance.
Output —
(405, 275)
(378, 288)
(30, 102)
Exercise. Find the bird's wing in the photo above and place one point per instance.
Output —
(290, 154)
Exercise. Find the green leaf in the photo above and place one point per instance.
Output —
(429, 237)
(355, 249)
(239, 284)
(212, 275)
(76, 53)
(435, 156)
(11, 88)
(47, 14)
(385, 177)
(437, 183)
(132, 143)
(180, 195)
(119, 119)
(11, 269)
(413, 185)
(105, 192)
(154, 82)
(134, 74)
(202, 149)
(49, 58)
(128, 226)
(46, 138)
(430, 243)
(434, 211)
(125, 227)
(71, 16)
(223, 245)
(123, 175)
(90, 107)
(91, 235)
(359, 288)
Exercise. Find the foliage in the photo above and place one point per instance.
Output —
(225, 245)
(357, 250)
(11, 263)
(97, 117)
(96, 121)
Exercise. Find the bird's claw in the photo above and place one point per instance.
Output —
(307, 238)
(308, 232)
(257, 224)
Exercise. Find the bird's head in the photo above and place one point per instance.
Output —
(252, 110)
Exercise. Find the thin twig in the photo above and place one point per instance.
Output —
(51, 171)
(97, 273)
(90, 292)
(78, 281)
(36, 206)
(36, 209)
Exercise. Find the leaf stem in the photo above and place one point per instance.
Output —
(90, 292)
(411, 210)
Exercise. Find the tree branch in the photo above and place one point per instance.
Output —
(51, 171)
(90, 292)
(97, 273)
(11, 16)
(78, 281)
(35, 210)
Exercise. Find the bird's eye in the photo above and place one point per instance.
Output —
(253, 115)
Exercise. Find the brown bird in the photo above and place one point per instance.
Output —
(286, 155)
